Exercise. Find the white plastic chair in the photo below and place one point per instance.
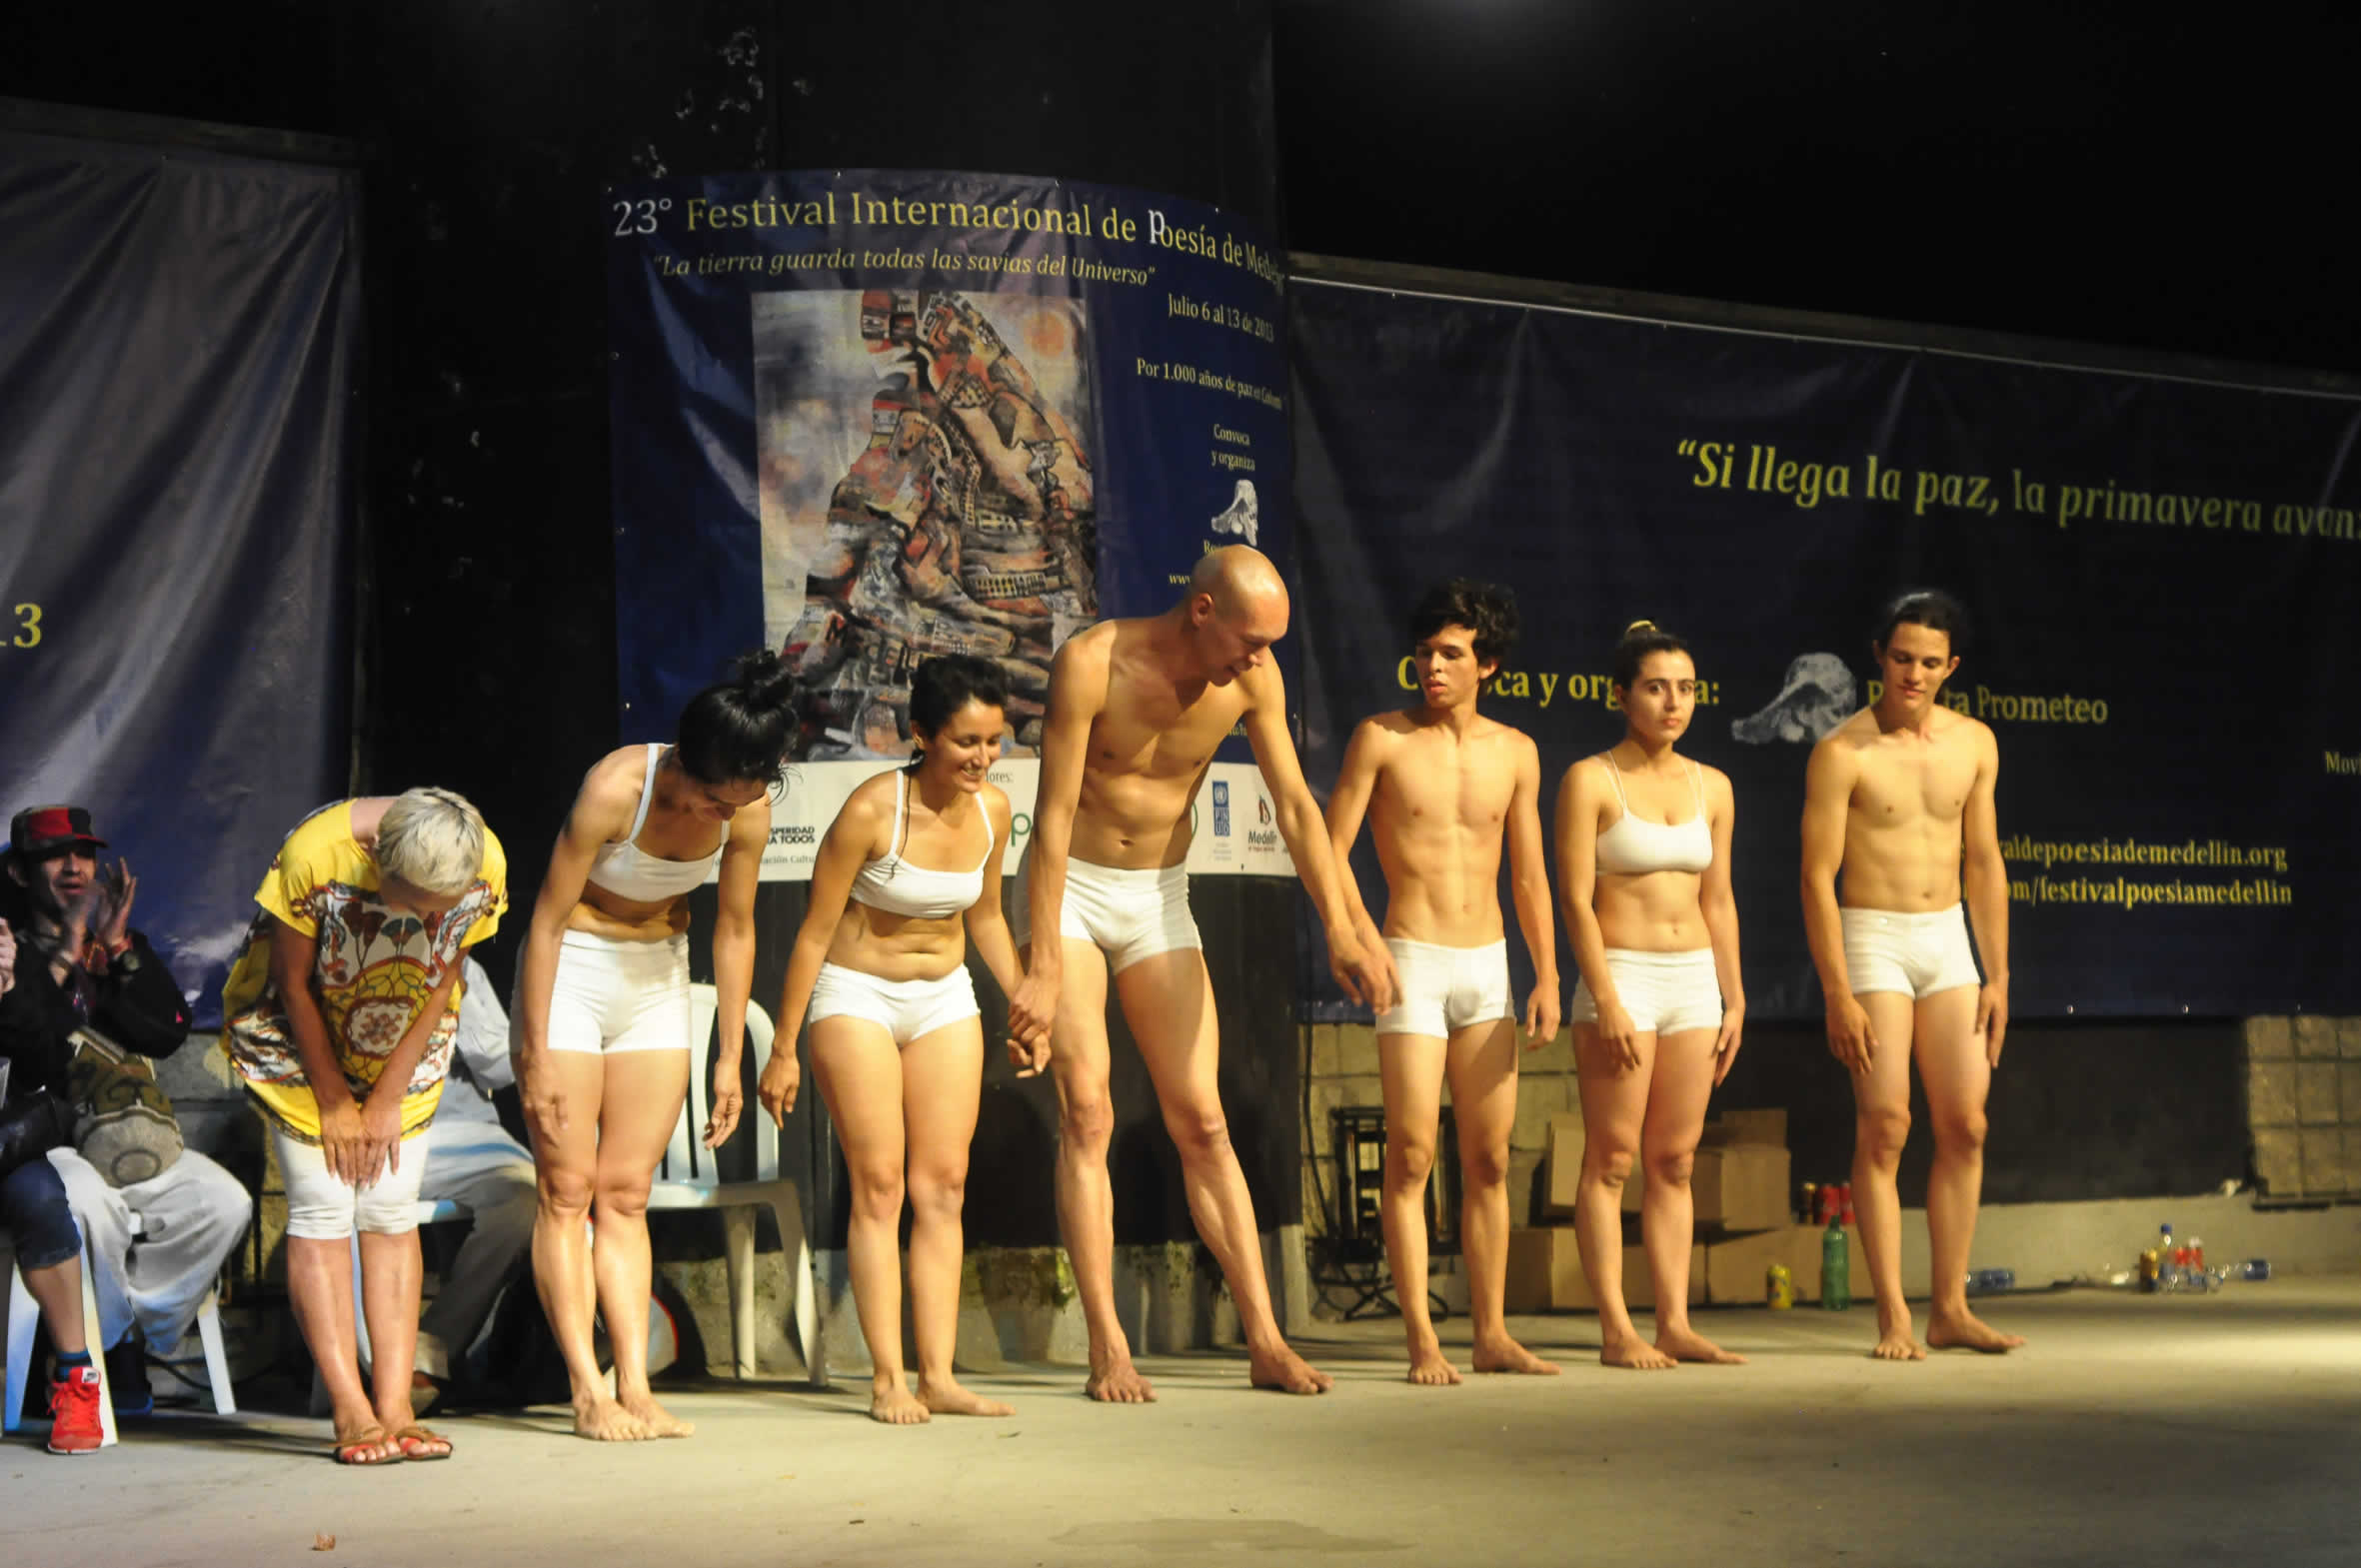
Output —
(688, 1179)
(217, 1355)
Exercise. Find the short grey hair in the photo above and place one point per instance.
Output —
(433, 839)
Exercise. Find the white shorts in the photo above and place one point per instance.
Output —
(1665, 992)
(905, 1009)
(611, 996)
(1126, 913)
(1444, 990)
(321, 1207)
(1916, 954)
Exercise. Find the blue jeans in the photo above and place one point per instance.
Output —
(33, 1211)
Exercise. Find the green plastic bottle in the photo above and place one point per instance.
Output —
(1836, 1267)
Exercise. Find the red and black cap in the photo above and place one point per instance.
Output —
(41, 831)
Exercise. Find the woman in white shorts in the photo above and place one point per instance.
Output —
(1643, 877)
(340, 1014)
(897, 1045)
(600, 1028)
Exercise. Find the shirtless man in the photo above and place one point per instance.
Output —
(1136, 708)
(1899, 795)
(1443, 785)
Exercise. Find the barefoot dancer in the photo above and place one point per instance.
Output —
(1643, 866)
(1898, 796)
(601, 1036)
(1443, 785)
(1135, 709)
(897, 1043)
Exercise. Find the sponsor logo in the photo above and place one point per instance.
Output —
(1221, 809)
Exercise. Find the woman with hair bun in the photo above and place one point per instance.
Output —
(1643, 875)
(600, 1022)
(909, 872)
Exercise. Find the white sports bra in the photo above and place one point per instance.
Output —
(629, 871)
(895, 886)
(1632, 847)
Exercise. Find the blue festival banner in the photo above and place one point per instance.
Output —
(866, 416)
(2162, 574)
(177, 333)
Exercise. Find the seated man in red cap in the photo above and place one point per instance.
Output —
(93, 988)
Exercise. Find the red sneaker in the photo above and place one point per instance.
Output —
(73, 1413)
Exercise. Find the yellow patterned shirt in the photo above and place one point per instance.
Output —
(373, 967)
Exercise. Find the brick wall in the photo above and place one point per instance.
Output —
(2303, 1106)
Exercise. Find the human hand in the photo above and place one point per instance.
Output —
(1029, 1055)
(1617, 1037)
(1035, 1005)
(1540, 1015)
(343, 1140)
(543, 1101)
(81, 912)
(1366, 972)
(1850, 1040)
(113, 914)
(7, 957)
(782, 1076)
(728, 1098)
(381, 1125)
(1992, 1021)
(1725, 1044)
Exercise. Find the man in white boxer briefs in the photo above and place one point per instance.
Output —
(1442, 787)
(1901, 796)
(1136, 708)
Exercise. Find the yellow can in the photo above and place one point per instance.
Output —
(1779, 1287)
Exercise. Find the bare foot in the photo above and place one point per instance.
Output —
(1963, 1330)
(1687, 1344)
(601, 1420)
(896, 1405)
(659, 1421)
(1895, 1344)
(1506, 1355)
(948, 1398)
(1282, 1370)
(1634, 1353)
(1120, 1383)
(1430, 1368)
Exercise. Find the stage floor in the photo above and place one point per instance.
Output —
(2128, 1427)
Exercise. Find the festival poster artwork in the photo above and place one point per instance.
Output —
(2160, 573)
(866, 417)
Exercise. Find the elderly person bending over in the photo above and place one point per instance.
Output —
(341, 1015)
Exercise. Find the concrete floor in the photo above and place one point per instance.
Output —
(2129, 1425)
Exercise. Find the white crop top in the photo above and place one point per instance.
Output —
(629, 871)
(1632, 847)
(895, 886)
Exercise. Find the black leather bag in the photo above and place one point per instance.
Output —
(31, 1125)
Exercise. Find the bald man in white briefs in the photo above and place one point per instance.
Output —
(1136, 709)
(1900, 797)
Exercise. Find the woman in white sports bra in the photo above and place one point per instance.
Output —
(1643, 877)
(909, 872)
(600, 1031)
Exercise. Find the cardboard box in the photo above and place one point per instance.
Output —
(1545, 1273)
(1737, 1266)
(1767, 1127)
(1743, 1186)
(1562, 1162)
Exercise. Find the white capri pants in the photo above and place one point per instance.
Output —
(1665, 992)
(321, 1207)
(613, 997)
(905, 1009)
